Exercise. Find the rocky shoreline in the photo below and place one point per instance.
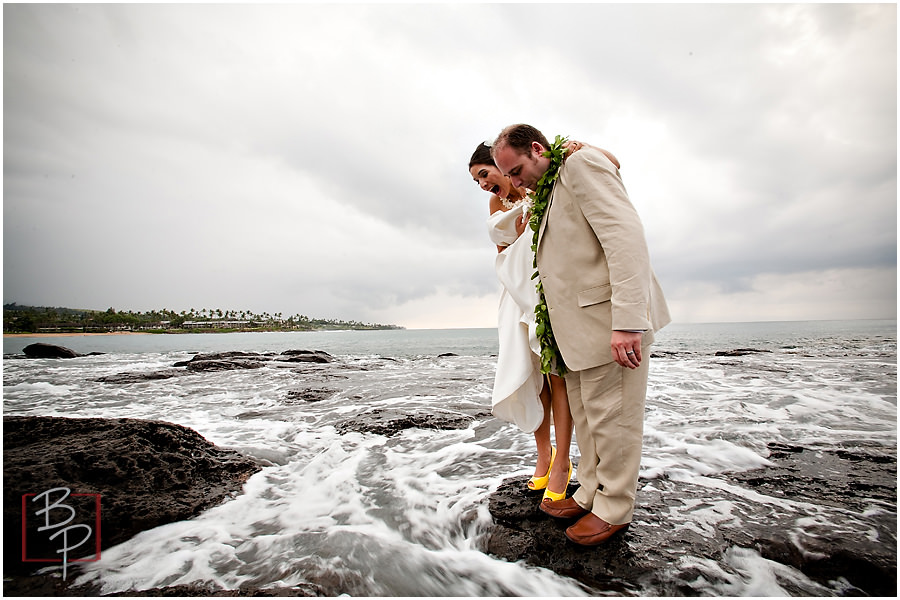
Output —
(149, 473)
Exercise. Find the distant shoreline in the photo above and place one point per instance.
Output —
(70, 334)
(178, 332)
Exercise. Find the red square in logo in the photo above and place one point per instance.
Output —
(60, 527)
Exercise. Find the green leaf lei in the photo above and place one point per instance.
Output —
(550, 354)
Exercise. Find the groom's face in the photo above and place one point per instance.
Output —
(524, 169)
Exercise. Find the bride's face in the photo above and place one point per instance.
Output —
(490, 179)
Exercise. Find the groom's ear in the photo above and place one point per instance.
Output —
(538, 147)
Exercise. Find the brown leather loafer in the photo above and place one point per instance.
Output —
(563, 509)
(591, 530)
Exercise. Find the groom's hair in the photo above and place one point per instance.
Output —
(519, 138)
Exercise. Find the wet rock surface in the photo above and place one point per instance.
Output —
(147, 473)
(239, 358)
(223, 365)
(44, 586)
(774, 512)
(190, 591)
(123, 378)
(221, 361)
(860, 545)
(313, 356)
(740, 352)
(310, 395)
(391, 422)
(42, 350)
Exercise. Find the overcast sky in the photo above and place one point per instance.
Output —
(312, 159)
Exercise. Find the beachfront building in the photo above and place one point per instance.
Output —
(215, 324)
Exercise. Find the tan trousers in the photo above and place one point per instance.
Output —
(607, 404)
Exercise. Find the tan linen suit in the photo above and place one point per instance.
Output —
(595, 268)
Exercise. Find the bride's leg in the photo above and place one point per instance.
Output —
(562, 426)
(542, 436)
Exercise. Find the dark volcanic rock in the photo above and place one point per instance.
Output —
(523, 532)
(667, 354)
(137, 377)
(389, 422)
(235, 359)
(861, 484)
(314, 356)
(41, 350)
(310, 394)
(224, 361)
(740, 352)
(48, 586)
(306, 590)
(231, 354)
(224, 365)
(147, 473)
(859, 546)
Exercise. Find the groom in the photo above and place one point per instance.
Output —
(604, 304)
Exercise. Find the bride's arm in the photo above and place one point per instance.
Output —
(574, 146)
(495, 205)
(610, 156)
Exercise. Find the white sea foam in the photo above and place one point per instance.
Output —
(743, 572)
(21, 390)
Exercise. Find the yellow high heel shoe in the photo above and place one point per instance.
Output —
(539, 483)
(548, 495)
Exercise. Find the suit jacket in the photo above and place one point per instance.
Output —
(594, 264)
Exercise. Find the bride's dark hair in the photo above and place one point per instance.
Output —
(482, 156)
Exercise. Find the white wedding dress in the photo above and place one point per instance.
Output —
(518, 382)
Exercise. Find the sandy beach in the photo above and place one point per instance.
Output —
(42, 335)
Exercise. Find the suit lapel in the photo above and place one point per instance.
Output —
(547, 211)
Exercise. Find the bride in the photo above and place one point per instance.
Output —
(521, 394)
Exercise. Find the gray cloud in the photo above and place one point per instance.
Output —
(311, 158)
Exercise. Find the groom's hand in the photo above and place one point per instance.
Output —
(626, 348)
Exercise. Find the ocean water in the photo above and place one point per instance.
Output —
(369, 515)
